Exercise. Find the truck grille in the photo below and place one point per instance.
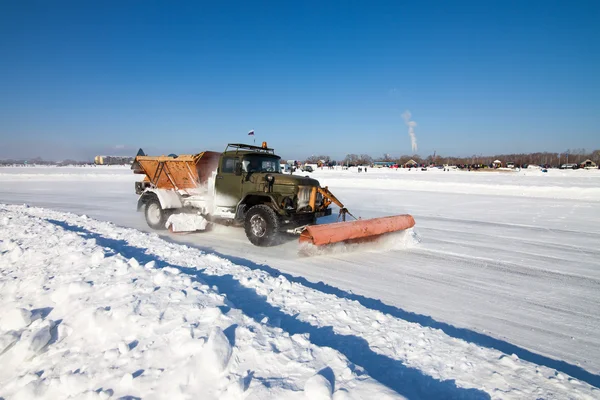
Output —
(303, 197)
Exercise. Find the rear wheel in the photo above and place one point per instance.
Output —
(261, 225)
(156, 217)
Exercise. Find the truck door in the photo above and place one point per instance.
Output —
(228, 185)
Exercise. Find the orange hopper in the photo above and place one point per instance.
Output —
(355, 231)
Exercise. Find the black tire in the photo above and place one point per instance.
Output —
(261, 225)
(156, 217)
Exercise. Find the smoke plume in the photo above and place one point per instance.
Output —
(411, 129)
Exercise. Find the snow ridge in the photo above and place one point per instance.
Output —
(80, 320)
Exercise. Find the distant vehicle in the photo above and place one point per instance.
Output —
(569, 166)
(450, 167)
(510, 164)
(286, 168)
(307, 168)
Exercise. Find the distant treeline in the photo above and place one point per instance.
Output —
(576, 156)
(99, 160)
(40, 161)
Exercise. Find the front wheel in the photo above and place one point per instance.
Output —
(156, 217)
(261, 225)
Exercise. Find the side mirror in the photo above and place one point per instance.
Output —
(238, 169)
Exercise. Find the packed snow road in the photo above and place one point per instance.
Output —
(506, 263)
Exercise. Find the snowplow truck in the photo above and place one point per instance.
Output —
(244, 186)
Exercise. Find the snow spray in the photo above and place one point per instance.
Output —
(402, 240)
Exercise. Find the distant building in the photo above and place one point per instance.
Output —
(497, 164)
(588, 164)
(411, 164)
(381, 164)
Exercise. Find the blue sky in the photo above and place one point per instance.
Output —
(79, 78)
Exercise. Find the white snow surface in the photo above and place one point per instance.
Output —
(494, 294)
(85, 315)
(186, 222)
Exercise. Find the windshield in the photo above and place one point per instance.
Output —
(259, 163)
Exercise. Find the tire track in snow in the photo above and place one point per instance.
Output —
(507, 266)
(503, 225)
(418, 347)
(582, 306)
(465, 238)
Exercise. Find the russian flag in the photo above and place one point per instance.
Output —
(251, 133)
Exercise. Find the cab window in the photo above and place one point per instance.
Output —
(228, 164)
(259, 163)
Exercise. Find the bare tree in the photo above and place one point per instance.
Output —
(317, 159)
(365, 159)
(385, 158)
(351, 159)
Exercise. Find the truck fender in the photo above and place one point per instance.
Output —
(253, 199)
(168, 198)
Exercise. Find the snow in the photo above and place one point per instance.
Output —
(494, 293)
(186, 223)
(78, 324)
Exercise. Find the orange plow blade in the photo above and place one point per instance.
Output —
(355, 231)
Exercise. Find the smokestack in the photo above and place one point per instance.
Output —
(406, 115)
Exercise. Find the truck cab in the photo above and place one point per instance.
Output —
(251, 176)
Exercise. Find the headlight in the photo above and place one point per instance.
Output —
(319, 199)
(287, 203)
(269, 178)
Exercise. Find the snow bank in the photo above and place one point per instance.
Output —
(79, 319)
(160, 315)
